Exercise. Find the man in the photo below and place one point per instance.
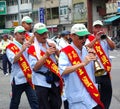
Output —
(76, 67)
(5, 62)
(27, 24)
(21, 71)
(102, 44)
(64, 40)
(46, 77)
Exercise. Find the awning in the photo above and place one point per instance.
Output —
(4, 31)
(111, 19)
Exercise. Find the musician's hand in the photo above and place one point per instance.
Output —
(98, 35)
(91, 51)
(50, 50)
(90, 57)
(27, 44)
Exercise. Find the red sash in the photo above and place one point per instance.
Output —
(22, 63)
(82, 74)
(27, 36)
(50, 64)
(101, 54)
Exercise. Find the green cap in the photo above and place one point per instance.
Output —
(80, 30)
(40, 28)
(27, 19)
(19, 29)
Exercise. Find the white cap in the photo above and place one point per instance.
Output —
(19, 29)
(97, 22)
(40, 28)
(79, 29)
(27, 19)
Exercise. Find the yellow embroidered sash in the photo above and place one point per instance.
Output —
(22, 63)
(82, 74)
(101, 54)
(49, 64)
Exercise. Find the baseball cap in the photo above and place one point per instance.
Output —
(40, 28)
(64, 33)
(27, 19)
(97, 22)
(79, 29)
(19, 29)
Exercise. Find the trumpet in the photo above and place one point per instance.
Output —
(99, 71)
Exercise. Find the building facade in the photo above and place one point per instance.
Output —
(59, 15)
(16, 9)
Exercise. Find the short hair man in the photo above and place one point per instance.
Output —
(64, 40)
(21, 71)
(27, 24)
(76, 67)
(45, 71)
(5, 62)
(102, 44)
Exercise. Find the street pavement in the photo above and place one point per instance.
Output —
(5, 87)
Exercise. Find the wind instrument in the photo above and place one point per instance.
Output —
(99, 71)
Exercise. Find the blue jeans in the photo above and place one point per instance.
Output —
(17, 91)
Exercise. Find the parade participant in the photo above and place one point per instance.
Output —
(21, 71)
(77, 68)
(5, 62)
(46, 77)
(64, 40)
(27, 24)
(102, 44)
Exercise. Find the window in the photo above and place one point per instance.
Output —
(63, 10)
(24, 1)
(12, 2)
(35, 16)
(79, 11)
(12, 17)
(52, 13)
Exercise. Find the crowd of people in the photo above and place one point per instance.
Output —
(63, 71)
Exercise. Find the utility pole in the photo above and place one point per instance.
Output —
(51, 17)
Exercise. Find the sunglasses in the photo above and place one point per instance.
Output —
(43, 34)
(81, 37)
(28, 23)
(22, 33)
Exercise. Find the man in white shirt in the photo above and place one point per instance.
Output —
(5, 62)
(64, 40)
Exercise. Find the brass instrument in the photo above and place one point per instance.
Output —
(98, 70)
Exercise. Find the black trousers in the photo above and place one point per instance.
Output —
(97, 107)
(49, 98)
(5, 63)
(17, 91)
(105, 89)
(66, 105)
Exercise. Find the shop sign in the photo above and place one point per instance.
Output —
(3, 8)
